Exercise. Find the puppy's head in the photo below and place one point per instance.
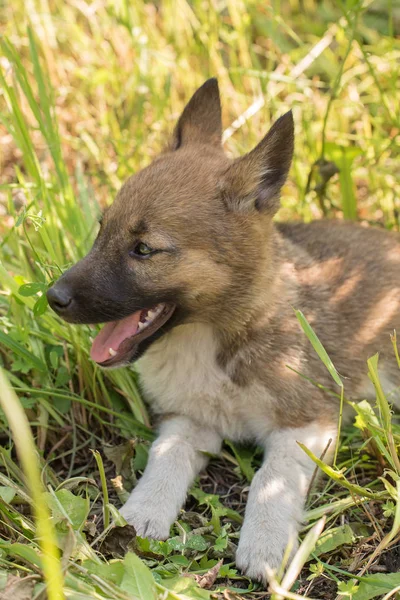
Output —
(182, 241)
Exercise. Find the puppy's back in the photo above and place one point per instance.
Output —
(349, 284)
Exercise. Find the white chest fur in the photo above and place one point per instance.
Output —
(179, 374)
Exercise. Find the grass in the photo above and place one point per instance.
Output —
(88, 94)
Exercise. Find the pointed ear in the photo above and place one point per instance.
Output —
(200, 121)
(254, 181)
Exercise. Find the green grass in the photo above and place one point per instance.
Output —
(88, 94)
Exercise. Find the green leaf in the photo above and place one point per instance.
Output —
(175, 545)
(196, 542)
(62, 404)
(347, 588)
(63, 377)
(152, 546)
(221, 542)
(316, 570)
(53, 356)
(28, 402)
(334, 538)
(66, 503)
(141, 457)
(137, 579)
(29, 554)
(186, 587)
(117, 518)
(388, 509)
(40, 306)
(217, 509)
(7, 493)
(215, 519)
(365, 415)
(113, 571)
(377, 585)
(245, 457)
(205, 498)
(20, 366)
(30, 289)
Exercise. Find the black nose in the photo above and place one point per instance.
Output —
(59, 298)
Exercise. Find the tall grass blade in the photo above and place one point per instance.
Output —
(384, 409)
(27, 453)
(318, 347)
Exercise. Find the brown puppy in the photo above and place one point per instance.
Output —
(192, 276)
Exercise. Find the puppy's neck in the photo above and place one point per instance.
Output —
(257, 303)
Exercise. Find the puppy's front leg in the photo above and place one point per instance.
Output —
(276, 499)
(175, 458)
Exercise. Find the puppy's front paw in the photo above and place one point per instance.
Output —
(148, 519)
(257, 555)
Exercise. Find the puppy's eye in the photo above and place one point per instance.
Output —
(142, 250)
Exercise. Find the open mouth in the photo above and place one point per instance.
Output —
(118, 340)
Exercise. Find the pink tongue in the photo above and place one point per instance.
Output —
(112, 335)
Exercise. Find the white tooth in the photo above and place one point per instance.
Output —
(150, 315)
(112, 352)
(141, 325)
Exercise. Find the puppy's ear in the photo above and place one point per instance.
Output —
(200, 122)
(254, 181)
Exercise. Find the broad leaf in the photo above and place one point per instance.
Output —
(185, 587)
(40, 306)
(7, 493)
(65, 503)
(137, 579)
(112, 571)
(334, 538)
(30, 289)
(372, 586)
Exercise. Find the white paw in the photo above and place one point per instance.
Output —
(258, 554)
(148, 519)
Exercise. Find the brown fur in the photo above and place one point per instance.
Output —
(345, 279)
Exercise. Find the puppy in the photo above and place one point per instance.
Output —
(195, 281)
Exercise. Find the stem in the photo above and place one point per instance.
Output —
(103, 479)
(27, 453)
